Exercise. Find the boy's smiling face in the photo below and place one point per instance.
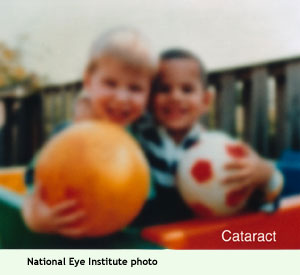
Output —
(179, 98)
(118, 93)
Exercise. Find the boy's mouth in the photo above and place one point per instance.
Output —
(119, 116)
(175, 112)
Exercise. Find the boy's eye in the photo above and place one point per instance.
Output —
(187, 88)
(110, 83)
(135, 88)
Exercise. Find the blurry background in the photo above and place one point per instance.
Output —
(55, 36)
(251, 48)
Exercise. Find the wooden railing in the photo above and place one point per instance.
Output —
(29, 118)
(268, 98)
(259, 103)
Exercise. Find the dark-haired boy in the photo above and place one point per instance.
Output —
(178, 100)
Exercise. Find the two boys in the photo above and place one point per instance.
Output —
(118, 79)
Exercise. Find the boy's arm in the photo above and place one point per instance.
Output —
(274, 186)
(271, 192)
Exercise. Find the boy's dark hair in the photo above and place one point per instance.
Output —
(177, 53)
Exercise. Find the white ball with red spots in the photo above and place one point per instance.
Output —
(200, 173)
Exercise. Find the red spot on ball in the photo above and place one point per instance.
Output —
(202, 171)
(234, 198)
(201, 210)
(236, 150)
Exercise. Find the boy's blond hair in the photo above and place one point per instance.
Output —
(127, 45)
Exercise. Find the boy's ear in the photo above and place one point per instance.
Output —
(86, 81)
(209, 98)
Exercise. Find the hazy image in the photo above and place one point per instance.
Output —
(149, 124)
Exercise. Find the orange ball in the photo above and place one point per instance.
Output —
(102, 167)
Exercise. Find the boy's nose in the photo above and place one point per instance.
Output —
(122, 95)
(176, 94)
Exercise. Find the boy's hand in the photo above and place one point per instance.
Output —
(251, 170)
(63, 218)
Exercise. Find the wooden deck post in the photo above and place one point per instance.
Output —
(291, 133)
(226, 104)
(257, 123)
(280, 114)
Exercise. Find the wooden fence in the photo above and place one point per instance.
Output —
(259, 103)
(268, 98)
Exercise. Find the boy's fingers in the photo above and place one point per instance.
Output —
(64, 206)
(246, 146)
(36, 191)
(245, 187)
(70, 218)
(235, 164)
(74, 233)
(236, 177)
